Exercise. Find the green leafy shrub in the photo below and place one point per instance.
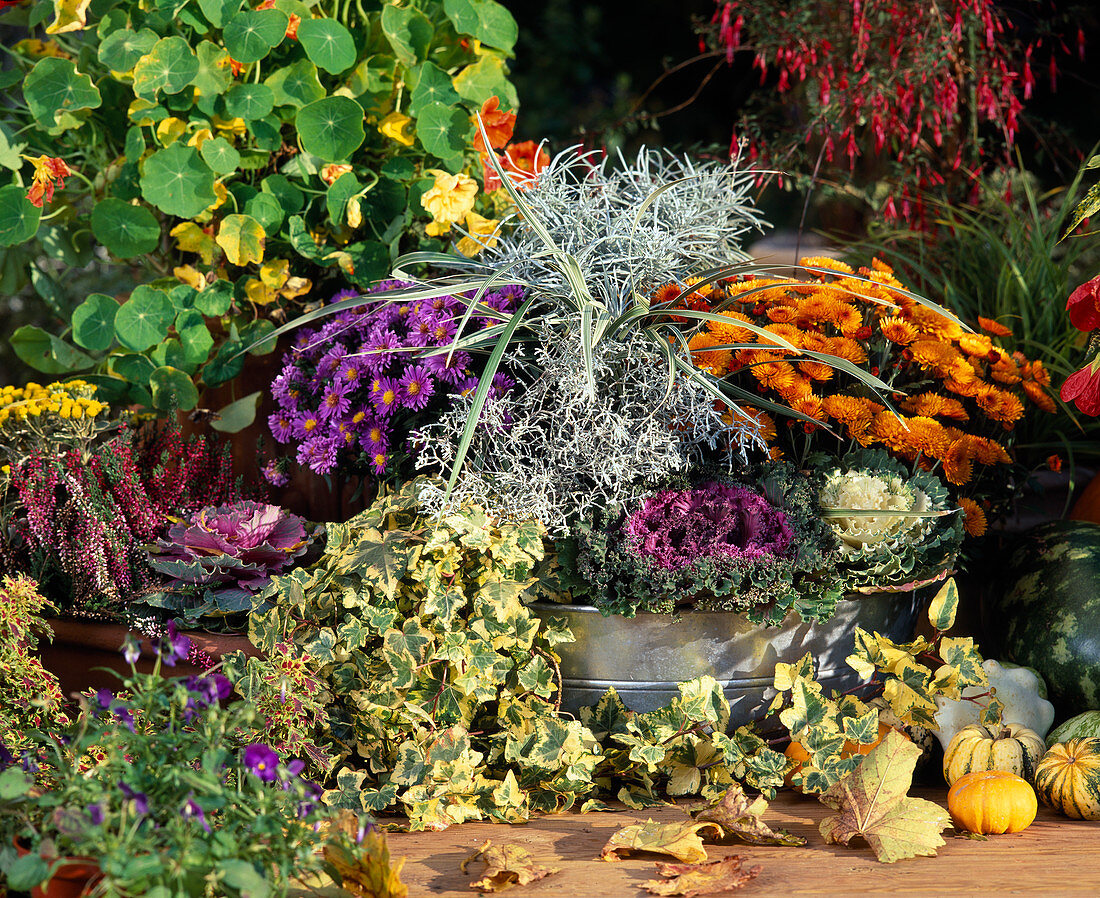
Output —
(235, 157)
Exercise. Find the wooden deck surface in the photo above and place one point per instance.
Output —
(1053, 857)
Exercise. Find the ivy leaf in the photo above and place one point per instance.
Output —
(680, 840)
(787, 674)
(941, 613)
(506, 865)
(741, 817)
(331, 128)
(874, 805)
(242, 238)
(178, 182)
(250, 35)
(961, 653)
(125, 229)
(486, 20)
(328, 44)
(710, 878)
(992, 714)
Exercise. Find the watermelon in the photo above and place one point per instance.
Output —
(1083, 726)
(1049, 616)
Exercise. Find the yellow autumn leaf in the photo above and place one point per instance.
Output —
(295, 287)
(170, 130)
(398, 126)
(221, 194)
(72, 15)
(259, 293)
(190, 238)
(274, 273)
(680, 840)
(190, 275)
(234, 126)
(136, 112)
(242, 238)
(36, 49)
(199, 138)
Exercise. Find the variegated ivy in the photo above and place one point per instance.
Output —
(909, 676)
(443, 684)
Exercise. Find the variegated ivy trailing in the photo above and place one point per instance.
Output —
(443, 685)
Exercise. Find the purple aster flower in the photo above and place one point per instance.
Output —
(274, 474)
(262, 761)
(449, 371)
(331, 360)
(319, 454)
(95, 814)
(282, 426)
(350, 371)
(388, 396)
(192, 810)
(305, 426)
(416, 387)
(341, 295)
(502, 383)
(140, 800)
(335, 402)
(374, 437)
(378, 461)
(379, 349)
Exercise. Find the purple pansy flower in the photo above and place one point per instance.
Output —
(95, 814)
(262, 761)
(192, 810)
(140, 800)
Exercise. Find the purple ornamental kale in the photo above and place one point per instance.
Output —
(228, 553)
(678, 527)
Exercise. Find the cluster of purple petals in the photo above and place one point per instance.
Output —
(351, 385)
(678, 527)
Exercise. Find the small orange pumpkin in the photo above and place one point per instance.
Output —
(992, 801)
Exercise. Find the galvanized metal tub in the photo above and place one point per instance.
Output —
(644, 657)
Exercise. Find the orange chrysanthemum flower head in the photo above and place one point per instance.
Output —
(957, 465)
(974, 521)
(898, 330)
(993, 327)
(826, 262)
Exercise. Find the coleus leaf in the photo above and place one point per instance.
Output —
(711, 878)
(874, 805)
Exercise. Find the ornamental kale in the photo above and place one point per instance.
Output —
(723, 544)
(221, 556)
(351, 390)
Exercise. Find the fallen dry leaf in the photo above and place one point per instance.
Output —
(710, 878)
(740, 817)
(506, 865)
(873, 804)
(680, 840)
(367, 871)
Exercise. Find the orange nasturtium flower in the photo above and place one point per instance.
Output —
(47, 171)
(526, 160)
(499, 125)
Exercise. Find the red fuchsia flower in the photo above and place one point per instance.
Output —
(1083, 306)
(47, 171)
(1082, 388)
(499, 125)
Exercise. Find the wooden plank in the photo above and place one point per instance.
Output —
(1055, 856)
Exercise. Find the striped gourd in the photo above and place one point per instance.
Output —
(1011, 747)
(1068, 778)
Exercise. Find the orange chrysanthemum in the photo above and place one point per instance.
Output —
(1005, 371)
(787, 332)
(826, 262)
(974, 522)
(929, 322)
(987, 451)
(975, 344)
(933, 354)
(1038, 394)
(782, 314)
(957, 466)
(993, 327)
(775, 375)
(729, 333)
(818, 371)
(809, 405)
(927, 437)
(854, 412)
(888, 428)
(765, 423)
(797, 389)
(666, 294)
(717, 363)
(898, 330)
(933, 405)
(1000, 406)
(847, 348)
(1039, 374)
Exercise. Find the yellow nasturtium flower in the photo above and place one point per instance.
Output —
(448, 200)
(482, 233)
(398, 126)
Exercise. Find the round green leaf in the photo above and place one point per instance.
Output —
(219, 154)
(170, 67)
(434, 86)
(249, 36)
(218, 12)
(135, 144)
(215, 299)
(242, 238)
(331, 128)
(177, 181)
(409, 32)
(18, 215)
(296, 84)
(486, 78)
(125, 230)
(289, 196)
(121, 50)
(143, 320)
(266, 210)
(328, 44)
(236, 416)
(214, 75)
(133, 367)
(46, 353)
(172, 388)
(94, 322)
(443, 130)
(54, 87)
(339, 192)
(486, 20)
(195, 338)
(249, 101)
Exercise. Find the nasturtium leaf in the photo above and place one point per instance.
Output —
(706, 878)
(250, 35)
(506, 865)
(680, 840)
(444, 131)
(266, 210)
(941, 613)
(121, 50)
(374, 75)
(296, 84)
(242, 238)
(27, 872)
(190, 238)
(94, 322)
(215, 299)
(331, 128)
(873, 804)
(126, 230)
(433, 86)
(227, 363)
(253, 337)
(370, 260)
(46, 353)
(143, 320)
(70, 15)
(220, 155)
(172, 388)
(178, 182)
(214, 74)
(135, 143)
(9, 148)
(328, 44)
(409, 32)
(18, 216)
(486, 20)
(183, 298)
(486, 78)
(267, 133)
(133, 367)
(249, 101)
(54, 87)
(236, 416)
(195, 338)
(218, 12)
(169, 66)
(338, 194)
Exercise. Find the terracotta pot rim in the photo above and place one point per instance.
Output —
(109, 637)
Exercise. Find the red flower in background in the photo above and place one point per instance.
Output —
(1083, 306)
(1082, 388)
(499, 125)
(526, 160)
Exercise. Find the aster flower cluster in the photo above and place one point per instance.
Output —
(350, 391)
